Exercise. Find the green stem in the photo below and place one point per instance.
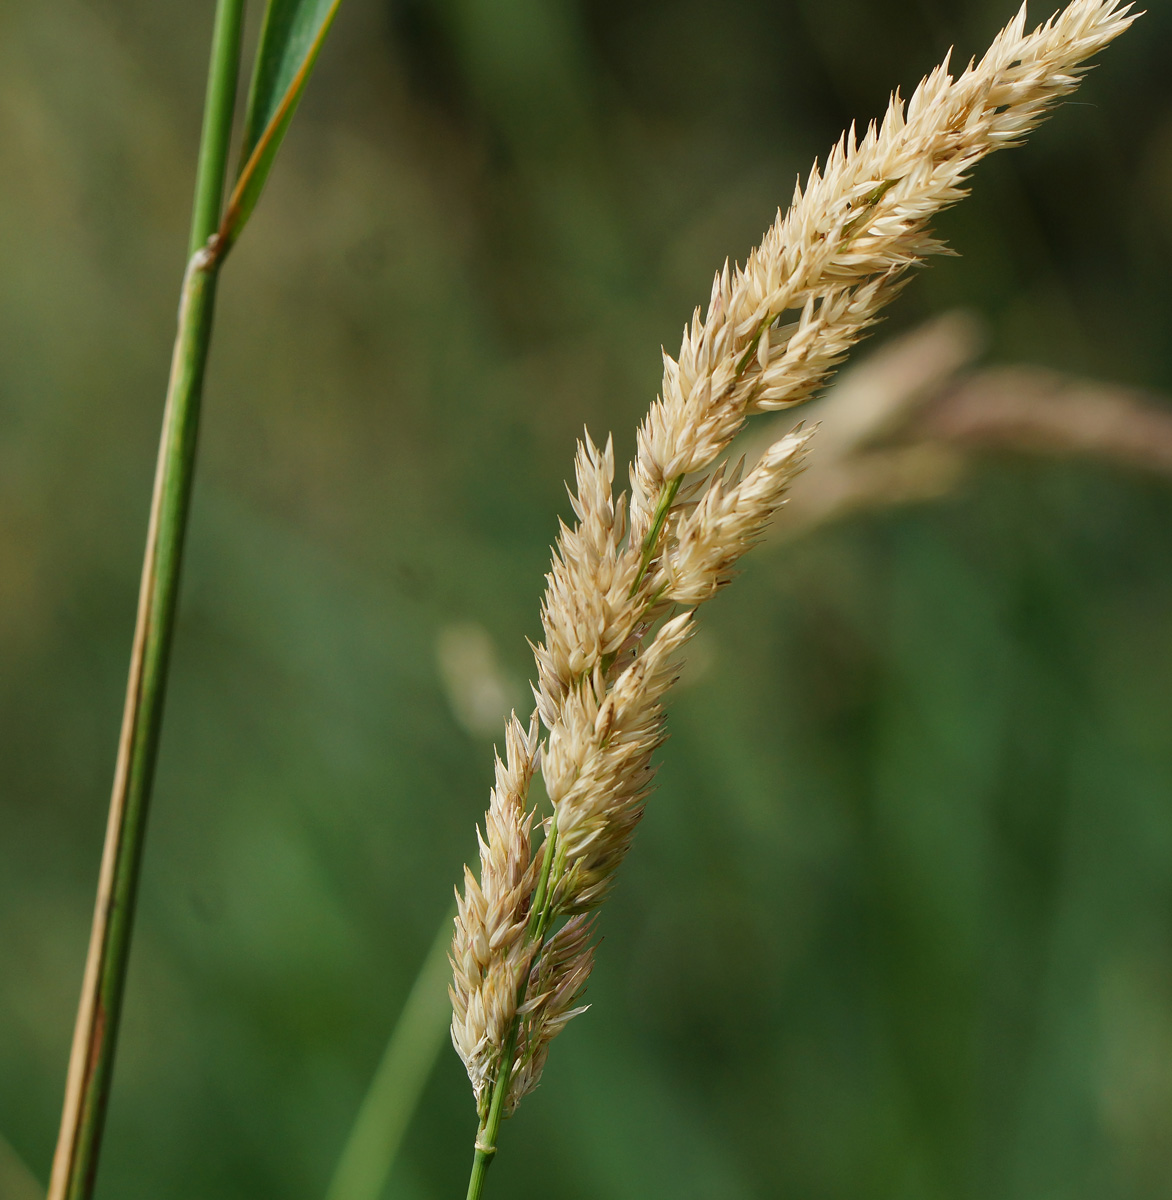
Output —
(216, 136)
(489, 1130)
(539, 917)
(666, 499)
(95, 1033)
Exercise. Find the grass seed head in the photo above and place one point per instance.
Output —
(773, 332)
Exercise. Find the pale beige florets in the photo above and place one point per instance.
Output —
(587, 611)
(490, 950)
(727, 520)
(833, 259)
(597, 764)
(774, 331)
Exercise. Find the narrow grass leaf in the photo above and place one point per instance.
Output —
(290, 40)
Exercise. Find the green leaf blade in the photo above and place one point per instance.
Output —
(287, 37)
(290, 40)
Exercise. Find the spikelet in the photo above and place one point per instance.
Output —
(773, 333)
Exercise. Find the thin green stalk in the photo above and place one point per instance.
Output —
(393, 1096)
(490, 1126)
(542, 898)
(95, 1034)
(666, 499)
(489, 1130)
(216, 136)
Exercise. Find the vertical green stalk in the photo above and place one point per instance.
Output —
(95, 1034)
(490, 1126)
(489, 1130)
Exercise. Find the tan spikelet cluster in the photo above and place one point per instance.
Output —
(490, 950)
(834, 258)
(774, 331)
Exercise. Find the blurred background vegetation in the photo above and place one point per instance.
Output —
(899, 921)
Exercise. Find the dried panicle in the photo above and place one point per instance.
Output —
(608, 654)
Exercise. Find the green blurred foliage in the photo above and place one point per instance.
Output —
(899, 921)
